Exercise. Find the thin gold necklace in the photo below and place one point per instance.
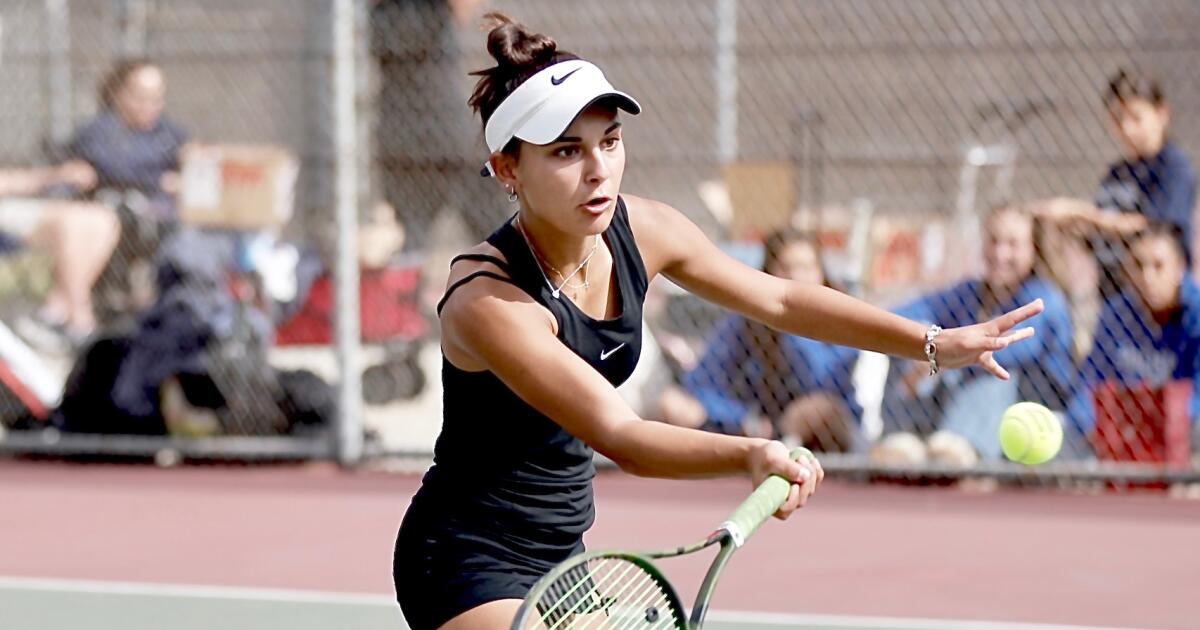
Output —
(557, 291)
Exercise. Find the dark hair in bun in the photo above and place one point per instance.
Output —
(519, 53)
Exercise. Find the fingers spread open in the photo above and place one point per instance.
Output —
(1018, 335)
(1018, 315)
(988, 361)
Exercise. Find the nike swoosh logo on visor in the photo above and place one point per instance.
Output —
(608, 353)
(558, 80)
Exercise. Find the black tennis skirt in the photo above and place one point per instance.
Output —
(444, 566)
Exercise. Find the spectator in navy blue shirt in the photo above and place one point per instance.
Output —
(752, 380)
(1150, 334)
(1154, 182)
(964, 407)
(130, 143)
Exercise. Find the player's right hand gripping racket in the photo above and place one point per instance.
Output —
(611, 590)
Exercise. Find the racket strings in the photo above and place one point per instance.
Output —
(567, 590)
(607, 594)
(631, 597)
(647, 608)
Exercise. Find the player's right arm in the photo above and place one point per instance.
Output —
(490, 325)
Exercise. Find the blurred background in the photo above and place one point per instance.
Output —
(224, 224)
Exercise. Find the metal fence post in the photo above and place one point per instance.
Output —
(349, 426)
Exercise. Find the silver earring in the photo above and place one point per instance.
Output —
(512, 195)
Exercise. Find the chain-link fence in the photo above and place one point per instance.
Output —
(169, 219)
(948, 160)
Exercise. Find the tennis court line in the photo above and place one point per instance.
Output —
(239, 593)
(790, 620)
(196, 591)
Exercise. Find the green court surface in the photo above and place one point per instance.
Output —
(52, 604)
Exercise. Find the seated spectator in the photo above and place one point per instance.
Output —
(1149, 335)
(753, 380)
(1154, 182)
(130, 143)
(135, 151)
(960, 411)
(79, 238)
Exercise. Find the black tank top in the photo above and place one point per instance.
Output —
(504, 474)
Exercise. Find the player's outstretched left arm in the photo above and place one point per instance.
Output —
(673, 245)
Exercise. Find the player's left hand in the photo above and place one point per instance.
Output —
(970, 345)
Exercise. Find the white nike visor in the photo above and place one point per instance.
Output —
(542, 107)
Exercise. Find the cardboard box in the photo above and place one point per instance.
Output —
(237, 186)
(762, 195)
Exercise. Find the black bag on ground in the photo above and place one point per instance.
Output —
(87, 403)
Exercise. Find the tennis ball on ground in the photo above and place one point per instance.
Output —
(1030, 433)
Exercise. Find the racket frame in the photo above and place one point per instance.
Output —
(529, 608)
(730, 535)
(723, 537)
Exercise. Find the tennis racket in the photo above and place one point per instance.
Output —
(611, 590)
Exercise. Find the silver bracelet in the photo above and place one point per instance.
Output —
(931, 347)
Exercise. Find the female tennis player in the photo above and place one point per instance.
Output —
(542, 320)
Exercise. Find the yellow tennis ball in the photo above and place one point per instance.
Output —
(1030, 433)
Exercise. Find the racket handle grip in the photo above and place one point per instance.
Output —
(761, 504)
